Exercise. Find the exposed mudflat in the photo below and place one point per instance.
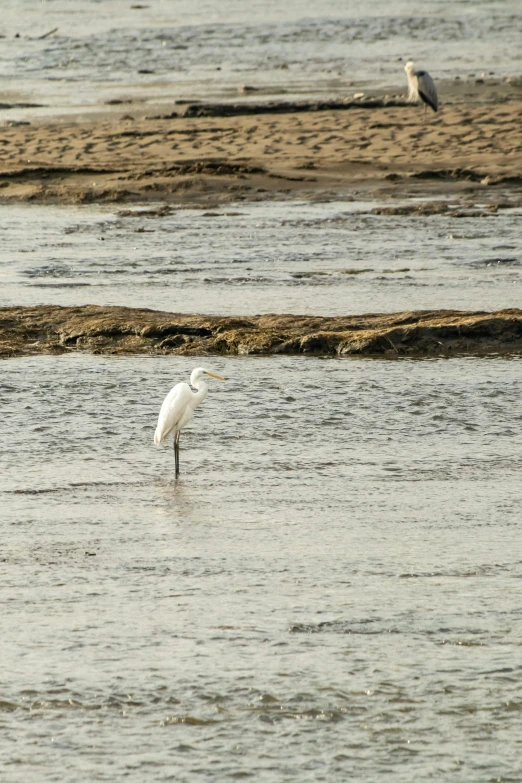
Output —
(50, 329)
(207, 154)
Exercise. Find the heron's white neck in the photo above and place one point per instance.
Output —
(202, 389)
(413, 87)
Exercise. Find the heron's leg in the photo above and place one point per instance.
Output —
(176, 453)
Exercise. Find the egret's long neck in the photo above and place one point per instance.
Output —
(202, 390)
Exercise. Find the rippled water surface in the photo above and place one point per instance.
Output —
(326, 258)
(160, 51)
(330, 591)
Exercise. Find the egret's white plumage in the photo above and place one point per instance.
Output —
(421, 86)
(179, 406)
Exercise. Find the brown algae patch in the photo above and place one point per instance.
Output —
(51, 329)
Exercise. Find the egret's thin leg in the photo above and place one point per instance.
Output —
(176, 453)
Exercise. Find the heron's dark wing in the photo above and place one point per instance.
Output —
(427, 90)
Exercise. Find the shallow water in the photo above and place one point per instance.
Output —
(295, 257)
(164, 51)
(329, 592)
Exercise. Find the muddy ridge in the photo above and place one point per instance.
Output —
(50, 329)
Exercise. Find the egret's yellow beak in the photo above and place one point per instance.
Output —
(212, 375)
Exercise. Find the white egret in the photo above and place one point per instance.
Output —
(179, 406)
(420, 85)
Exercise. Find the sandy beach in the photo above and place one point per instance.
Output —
(205, 155)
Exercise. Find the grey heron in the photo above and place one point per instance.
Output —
(420, 85)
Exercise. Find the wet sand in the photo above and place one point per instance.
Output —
(49, 329)
(210, 154)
